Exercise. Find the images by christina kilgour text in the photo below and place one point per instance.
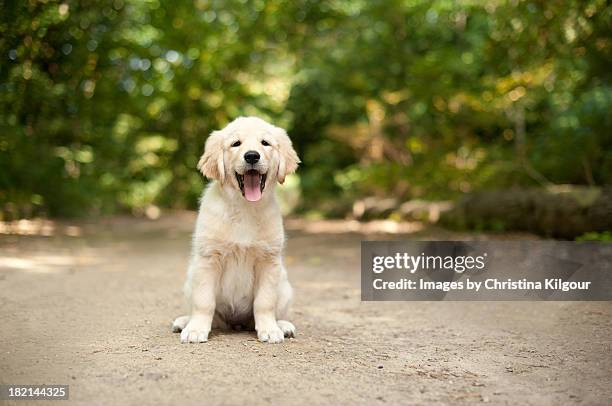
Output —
(469, 264)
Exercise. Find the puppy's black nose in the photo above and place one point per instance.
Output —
(251, 157)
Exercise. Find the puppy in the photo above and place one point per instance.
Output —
(236, 278)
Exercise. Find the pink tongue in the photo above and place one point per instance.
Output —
(251, 186)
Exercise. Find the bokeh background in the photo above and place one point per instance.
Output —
(477, 115)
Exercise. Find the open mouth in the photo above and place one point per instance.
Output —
(252, 184)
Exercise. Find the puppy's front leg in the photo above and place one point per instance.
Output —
(205, 278)
(267, 276)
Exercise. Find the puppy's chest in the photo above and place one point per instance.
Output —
(243, 236)
(236, 287)
(252, 228)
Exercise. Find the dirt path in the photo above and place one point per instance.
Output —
(94, 311)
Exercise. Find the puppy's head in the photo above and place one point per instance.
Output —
(249, 154)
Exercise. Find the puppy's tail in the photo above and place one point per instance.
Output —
(179, 324)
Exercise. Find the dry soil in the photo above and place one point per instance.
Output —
(90, 305)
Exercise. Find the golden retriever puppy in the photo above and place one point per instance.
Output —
(236, 278)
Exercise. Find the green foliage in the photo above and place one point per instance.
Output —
(106, 104)
(593, 236)
(440, 98)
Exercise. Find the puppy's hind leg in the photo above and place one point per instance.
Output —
(179, 324)
(285, 295)
(181, 321)
(286, 327)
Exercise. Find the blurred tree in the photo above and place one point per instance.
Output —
(57, 83)
(439, 98)
(106, 104)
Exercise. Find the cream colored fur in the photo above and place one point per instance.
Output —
(236, 276)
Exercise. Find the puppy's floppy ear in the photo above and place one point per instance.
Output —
(287, 157)
(211, 163)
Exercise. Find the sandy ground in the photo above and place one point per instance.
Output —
(90, 305)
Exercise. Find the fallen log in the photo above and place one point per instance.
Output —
(558, 212)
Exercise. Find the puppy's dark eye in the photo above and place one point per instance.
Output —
(265, 143)
(236, 144)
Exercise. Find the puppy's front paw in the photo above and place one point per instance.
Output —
(272, 334)
(196, 331)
